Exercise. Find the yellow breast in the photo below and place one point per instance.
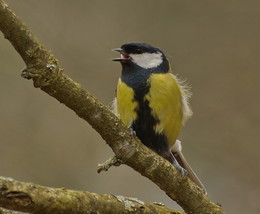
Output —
(126, 104)
(166, 105)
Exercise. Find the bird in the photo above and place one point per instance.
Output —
(153, 103)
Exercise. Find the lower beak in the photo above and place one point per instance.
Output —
(118, 59)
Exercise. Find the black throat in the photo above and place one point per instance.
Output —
(136, 77)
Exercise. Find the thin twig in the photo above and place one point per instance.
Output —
(114, 161)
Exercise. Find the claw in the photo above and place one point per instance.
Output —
(181, 170)
(178, 166)
(132, 131)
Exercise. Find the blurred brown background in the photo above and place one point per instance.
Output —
(212, 44)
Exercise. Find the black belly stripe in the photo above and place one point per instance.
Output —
(145, 123)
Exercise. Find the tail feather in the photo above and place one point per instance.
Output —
(191, 174)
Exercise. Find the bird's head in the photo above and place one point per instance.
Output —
(141, 54)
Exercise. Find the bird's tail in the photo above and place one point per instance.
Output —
(184, 163)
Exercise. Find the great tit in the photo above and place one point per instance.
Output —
(152, 102)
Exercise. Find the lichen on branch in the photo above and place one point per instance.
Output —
(28, 197)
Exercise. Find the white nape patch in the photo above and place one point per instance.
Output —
(147, 60)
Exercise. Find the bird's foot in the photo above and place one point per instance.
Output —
(181, 169)
(132, 131)
(178, 166)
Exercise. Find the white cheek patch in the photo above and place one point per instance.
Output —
(147, 60)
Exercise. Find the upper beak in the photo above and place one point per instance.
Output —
(122, 58)
(118, 50)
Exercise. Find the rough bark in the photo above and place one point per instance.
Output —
(28, 197)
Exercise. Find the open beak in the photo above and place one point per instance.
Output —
(124, 56)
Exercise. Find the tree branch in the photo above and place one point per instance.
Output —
(28, 197)
(47, 75)
(5, 211)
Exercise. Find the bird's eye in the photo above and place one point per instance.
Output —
(138, 51)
